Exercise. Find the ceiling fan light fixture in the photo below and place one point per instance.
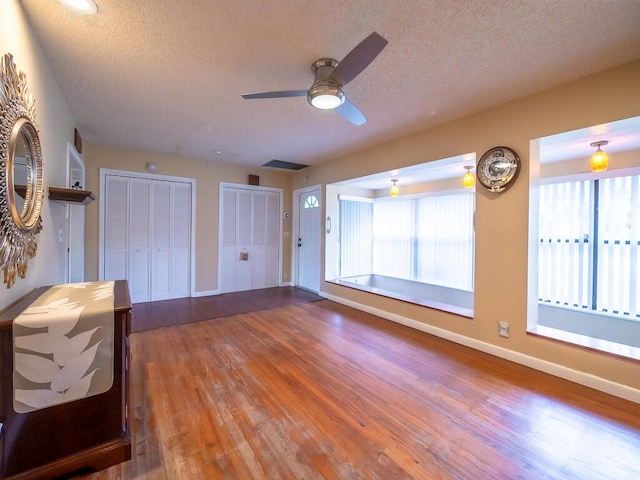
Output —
(86, 7)
(325, 96)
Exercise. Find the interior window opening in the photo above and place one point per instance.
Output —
(407, 234)
(587, 226)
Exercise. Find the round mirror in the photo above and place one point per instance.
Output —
(21, 186)
(20, 178)
(23, 164)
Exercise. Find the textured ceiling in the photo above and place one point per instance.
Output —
(167, 76)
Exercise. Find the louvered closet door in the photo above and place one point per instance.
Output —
(181, 241)
(116, 233)
(139, 239)
(258, 253)
(244, 225)
(265, 264)
(250, 221)
(148, 236)
(161, 241)
(228, 240)
(272, 240)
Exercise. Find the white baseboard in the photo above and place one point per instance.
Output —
(205, 293)
(582, 378)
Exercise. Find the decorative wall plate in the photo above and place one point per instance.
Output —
(497, 168)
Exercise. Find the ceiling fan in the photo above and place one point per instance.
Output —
(331, 76)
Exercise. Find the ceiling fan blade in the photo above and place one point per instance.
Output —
(358, 59)
(282, 94)
(351, 113)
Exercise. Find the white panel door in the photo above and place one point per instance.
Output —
(161, 199)
(116, 232)
(181, 241)
(309, 240)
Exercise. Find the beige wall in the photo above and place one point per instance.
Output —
(501, 271)
(55, 125)
(208, 176)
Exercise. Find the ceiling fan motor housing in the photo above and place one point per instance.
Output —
(325, 93)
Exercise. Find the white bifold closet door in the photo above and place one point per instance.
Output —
(250, 225)
(148, 236)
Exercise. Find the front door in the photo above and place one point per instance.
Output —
(308, 241)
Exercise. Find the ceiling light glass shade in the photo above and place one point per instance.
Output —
(599, 160)
(394, 188)
(88, 7)
(468, 180)
(325, 96)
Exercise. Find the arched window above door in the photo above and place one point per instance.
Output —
(311, 202)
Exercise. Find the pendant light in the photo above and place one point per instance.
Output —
(599, 160)
(394, 188)
(468, 180)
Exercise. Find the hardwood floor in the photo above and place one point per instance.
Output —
(149, 315)
(322, 391)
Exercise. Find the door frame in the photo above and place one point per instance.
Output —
(74, 162)
(254, 188)
(148, 176)
(296, 232)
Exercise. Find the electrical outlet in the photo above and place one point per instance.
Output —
(503, 329)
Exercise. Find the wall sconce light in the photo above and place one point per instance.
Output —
(599, 160)
(468, 180)
(394, 188)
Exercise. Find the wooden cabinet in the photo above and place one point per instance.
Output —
(87, 434)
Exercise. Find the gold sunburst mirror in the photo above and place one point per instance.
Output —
(21, 186)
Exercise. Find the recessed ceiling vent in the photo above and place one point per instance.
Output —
(285, 165)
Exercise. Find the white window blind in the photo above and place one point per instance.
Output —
(564, 250)
(393, 233)
(446, 240)
(429, 239)
(356, 238)
(618, 291)
(589, 242)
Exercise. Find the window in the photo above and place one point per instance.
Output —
(428, 239)
(311, 202)
(356, 237)
(589, 250)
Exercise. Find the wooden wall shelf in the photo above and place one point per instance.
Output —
(68, 195)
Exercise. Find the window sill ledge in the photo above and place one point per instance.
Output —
(423, 302)
(589, 343)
